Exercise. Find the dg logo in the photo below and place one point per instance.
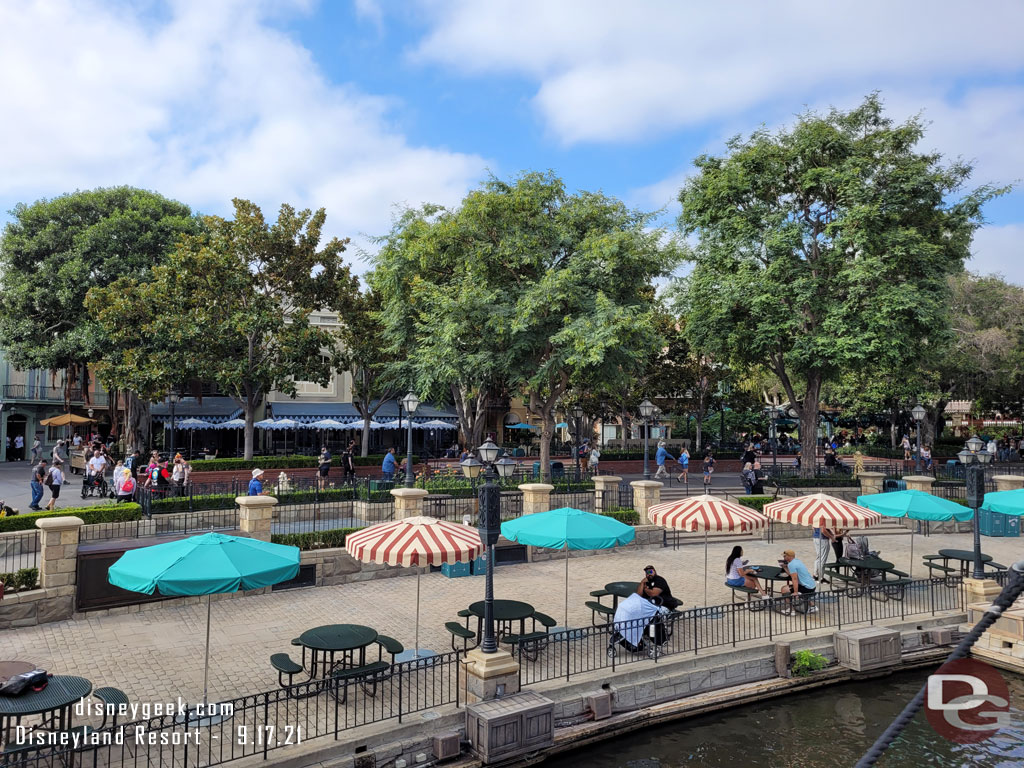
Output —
(967, 701)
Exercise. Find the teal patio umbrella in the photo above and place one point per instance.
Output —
(566, 529)
(209, 564)
(915, 505)
(1005, 502)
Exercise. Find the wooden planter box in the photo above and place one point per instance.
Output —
(504, 728)
(868, 648)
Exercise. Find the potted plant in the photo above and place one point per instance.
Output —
(804, 663)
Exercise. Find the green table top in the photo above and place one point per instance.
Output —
(871, 563)
(338, 637)
(770, 572)
(61, 691)
(622, 588)
(504, 610)
(963, 554)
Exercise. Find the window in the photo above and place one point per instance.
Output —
(53, 434)
(312, 388)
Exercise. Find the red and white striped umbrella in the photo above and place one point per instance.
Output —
(820, 510)
(415, 541)
(706, 513)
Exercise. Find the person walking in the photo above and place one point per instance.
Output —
(747, 476)
(37, 450)
(387, 467)
(594, 459)
(709, 469)
(348, 463)
(659, 459)
(323, 468)
(54, 479)
(822, 546)
(38, 477)
(905, 444)
(684, 466)
(19, 448)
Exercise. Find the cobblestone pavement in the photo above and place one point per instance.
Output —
(157, 654)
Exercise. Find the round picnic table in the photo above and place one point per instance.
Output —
(769, 574)
(54, 702)
(965, 556)
(862, 566)
(621, 589)
(348, 639)
(505, 612)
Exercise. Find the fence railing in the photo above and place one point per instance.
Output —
(164, 525)
(19, 550)
(261, 724)
(577, 651)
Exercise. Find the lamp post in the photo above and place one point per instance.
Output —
(577, 414)
(489, 523)
(172, 399)
(974, 457)
(647, 409)
(410, 402)
(918, 412)
(773, 411)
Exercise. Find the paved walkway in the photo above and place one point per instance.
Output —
(158, 652)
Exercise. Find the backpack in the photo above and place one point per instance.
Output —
(128, 486)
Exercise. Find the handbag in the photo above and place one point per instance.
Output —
(37, 680)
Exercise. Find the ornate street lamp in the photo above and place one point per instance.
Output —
(489, 523)
(774, 412)
(918, 412)
(647, 409)
(974, 457)
(172, 400)
(410, 402)
(577, 414)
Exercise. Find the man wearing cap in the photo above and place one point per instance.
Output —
(655, 589)
(801, 581)
(256, 484)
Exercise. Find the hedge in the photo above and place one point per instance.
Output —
(279, 462)
(227, 500)
(329, 539)
(112, 513)
(754, 502)
(623, 515)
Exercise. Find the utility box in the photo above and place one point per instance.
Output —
(868, 648)
(479, 566)
(505, 728)
(997, 524)
(454, 570)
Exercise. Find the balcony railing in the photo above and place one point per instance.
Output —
(40, 393)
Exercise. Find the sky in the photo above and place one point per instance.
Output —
(364, 107)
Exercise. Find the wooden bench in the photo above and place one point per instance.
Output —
(110, 697)
(366, 675)
(596, 609)
(521, 642)
(459, 631)
(390, 645)
(285, 665)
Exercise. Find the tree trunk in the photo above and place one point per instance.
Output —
(809, 426)
(365, 449)
(249, 406)
(547, 431)
(136, 423)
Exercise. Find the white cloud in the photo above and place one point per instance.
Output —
(207, 104)
(607, 70)
(999, 250)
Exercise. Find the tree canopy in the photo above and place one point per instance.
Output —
(826, 248)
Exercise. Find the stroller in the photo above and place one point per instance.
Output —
(639, 626)
(95, 485)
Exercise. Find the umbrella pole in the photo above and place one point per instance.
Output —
(206, 666)
(566, 584)
(911, 553)
(705, 567)
(416, 650)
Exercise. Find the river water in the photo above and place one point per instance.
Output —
(826, 728)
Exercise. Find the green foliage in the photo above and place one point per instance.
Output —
(754, 502)
(9, 581)
(113, 513)
(333, 538)
(278, 462)
(803, 663)
(824, 250)
(184, 504)
(27, 578)
(623, 515)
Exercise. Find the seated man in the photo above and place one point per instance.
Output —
(801, 581)
(655, 589)
(96, 467)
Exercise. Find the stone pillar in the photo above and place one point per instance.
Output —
(980, 590)
(489, 675)
(536, 498)
(58, 551)
(646, 493)
(919, 483)
(609, 483)
(871, 482)
(408, 502)
(255, 514)
(1009, 482)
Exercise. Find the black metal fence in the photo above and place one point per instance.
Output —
(577, 500)
(19, 549)
(265, 724)
(576, 651)
(163, 525)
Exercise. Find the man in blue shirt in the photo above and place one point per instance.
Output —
(801, 581)
(388, 467)
(659, 459)
(256, 484)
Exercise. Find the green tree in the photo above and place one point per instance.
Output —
(825, 249)
(231, 306)
(53, 252)
(527, 284)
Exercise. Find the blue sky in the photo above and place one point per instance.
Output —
(364, 106)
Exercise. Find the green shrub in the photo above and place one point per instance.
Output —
(181, 503)
(279, 462)
(8, 580)
(27, 578)
(623, 515)
(754, 502)
(112, 513)
(332, 538)
(805, 662)
(572, 486)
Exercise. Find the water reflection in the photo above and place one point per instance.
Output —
(827, 728)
